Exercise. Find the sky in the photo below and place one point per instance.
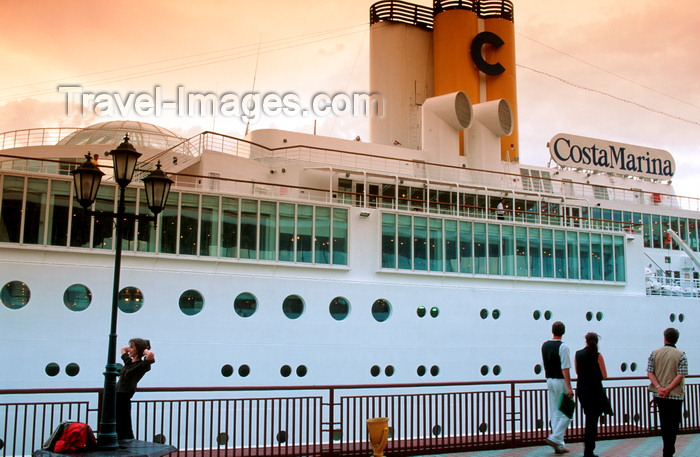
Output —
(621, 70)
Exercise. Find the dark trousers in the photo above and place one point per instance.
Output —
(123, 415)
(591, 433)
(670, 414)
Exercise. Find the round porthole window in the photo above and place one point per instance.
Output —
(375, 370)
(434, 311)
(381, 310)
(15, 294)
(301, 371)
(72, 369)
(52, 369)
(286, 371)
(536, 315)
(339, 308)
(130, 300)
(293, 306)
(226, 371)
(421, 370)
(191, 302)
(243, 371)
(421, 311)
(434, 370)
(77, 297)
(245, 304)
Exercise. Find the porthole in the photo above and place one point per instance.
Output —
(434, 311)
(633, 366)
(293, 306)
(672, 317)
(15, 294)
(538, 369)
(484, 313)
(421, 370)
(222, 439)
(130, 300)
(495, 314)
(159, 438)
(421, 311)
(375, 370)
(245, 304)
(72, 369)
(536, 315)
(389, 370)
(497, 370)
(52, 369)
(339, 308)
(681, 318)
(226, 370)
(437, 430)
(434, 370)
(77, 297)
(483, 427)
(547, 315)
(243, 371)
(301, 371)
(599, 316)
(484, 370)
(589, 316)
(381, 310)
(191, 302)
(281, 436)
(286, 371)
(623, 367)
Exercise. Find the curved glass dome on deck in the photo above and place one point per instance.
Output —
(112, 133)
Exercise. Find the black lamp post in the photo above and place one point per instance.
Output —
(87, 178)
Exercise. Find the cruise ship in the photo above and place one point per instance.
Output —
(428, 254)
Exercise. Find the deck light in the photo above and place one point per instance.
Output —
(86, 179)
(124, 158)
(157, 186)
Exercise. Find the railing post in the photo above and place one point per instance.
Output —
(331, 421)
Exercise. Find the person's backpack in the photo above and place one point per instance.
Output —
(71, 437)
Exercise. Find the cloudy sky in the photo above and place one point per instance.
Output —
(621, 70)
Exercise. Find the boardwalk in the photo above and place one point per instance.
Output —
(686, 446)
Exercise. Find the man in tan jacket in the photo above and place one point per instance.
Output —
(667, 368)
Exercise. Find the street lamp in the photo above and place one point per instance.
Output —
(87, 178)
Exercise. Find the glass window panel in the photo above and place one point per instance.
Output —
(521, 251)
(229, 227)
(286, 233)
(596, 256)
(388, 241)
(293, 306)
(656, 231)
(304, 233)
(480, 248)
(59, 211)
(620, 274)
(268, 230)
(436, 245)
(339, 308)
(420, 243)
(103, 223)
(77, 297)
(340, 236)
(535, 253)
(191, 302)
(572, 254)
(168, 224)
(129, 226)
(693, 234)
(451, 246)
(494, 249)
(209, 228)
(560, 253)
(508, 253)
(322, 235)
(608, 258)
(11, 211)
(646, 218)
(146, 236)
(404, 243)
(465, 247)
(547, 253)
(249, 225)
(35, 211)
(245, 304)
(189, 216)
(584, 246)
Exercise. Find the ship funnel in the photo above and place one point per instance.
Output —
(442, 119)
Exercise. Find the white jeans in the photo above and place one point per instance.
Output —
(557, 419)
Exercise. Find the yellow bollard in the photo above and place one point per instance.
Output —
(378, 428)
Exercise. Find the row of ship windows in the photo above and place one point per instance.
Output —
(451, 246)
(43, 212)
(72, 369)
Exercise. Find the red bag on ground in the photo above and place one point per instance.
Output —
(76, 437)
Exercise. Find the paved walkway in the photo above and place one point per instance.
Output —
(686, 446)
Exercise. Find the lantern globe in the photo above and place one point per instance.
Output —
(157, 185)
(86, 180)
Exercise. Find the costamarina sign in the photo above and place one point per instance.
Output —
(607, 156)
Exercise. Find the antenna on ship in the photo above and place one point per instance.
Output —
(252, 92)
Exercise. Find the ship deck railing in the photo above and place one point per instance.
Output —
(671, 287)
(361, 165)
(331, 420)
